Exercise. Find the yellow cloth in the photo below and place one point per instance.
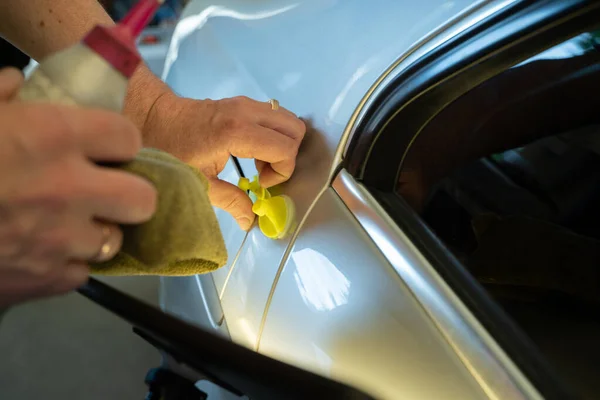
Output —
(183, 237)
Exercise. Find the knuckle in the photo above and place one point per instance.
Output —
(301, 128)
(240, 100)
(292, 149)
(232, 203)
(239, 103)
(231, 124)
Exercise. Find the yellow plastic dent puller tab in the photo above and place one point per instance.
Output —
(275, 214)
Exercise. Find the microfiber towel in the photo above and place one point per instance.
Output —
(183, 237)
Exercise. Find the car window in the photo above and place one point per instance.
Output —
(507, 176)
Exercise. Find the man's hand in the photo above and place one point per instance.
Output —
(57, 207)
(205, 133)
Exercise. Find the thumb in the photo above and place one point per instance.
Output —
(11, 80)
(232, 199)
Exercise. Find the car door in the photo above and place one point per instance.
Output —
(341, 308)
(318, 58)
(343, 305)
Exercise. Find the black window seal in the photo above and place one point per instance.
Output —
(486, 49)
(471, 57)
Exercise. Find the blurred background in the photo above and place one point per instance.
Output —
(166, 15)
(153, 43)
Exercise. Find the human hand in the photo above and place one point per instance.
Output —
(206, 133)
(58, 209)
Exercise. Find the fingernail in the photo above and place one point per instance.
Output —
(245, 223)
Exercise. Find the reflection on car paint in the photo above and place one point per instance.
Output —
(190, 24)
(345, 303)
(320, 283)
(325, 362)
(248, 330)
(343, 94)
(289, 80)
(248, 287)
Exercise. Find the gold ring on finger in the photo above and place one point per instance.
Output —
(274, 104)
(106, 248)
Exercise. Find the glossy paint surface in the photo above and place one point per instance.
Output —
(485, 360)
(342, 311)
(318, 58)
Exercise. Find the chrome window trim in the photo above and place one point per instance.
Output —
(467, 18)
(489, 365)
(463, 20)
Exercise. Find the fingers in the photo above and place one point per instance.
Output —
(52, 274)
(266, 145)
(232, 199)
(273, 171)
(102, 135)
(96, 242)
(283, 121)
(266, 106)
(279, 172)
(111, 241)
(268, 175)
(11, 80)
(54, 130)
(118, 196)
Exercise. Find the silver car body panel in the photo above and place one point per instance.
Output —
(487, 362)
(325, 59)
(343, 311)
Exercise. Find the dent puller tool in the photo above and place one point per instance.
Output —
(276, 214)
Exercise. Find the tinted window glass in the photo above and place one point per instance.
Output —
(508, 176)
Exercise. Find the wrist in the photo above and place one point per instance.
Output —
(144, 93)
(160, 119)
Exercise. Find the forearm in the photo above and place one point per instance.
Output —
(42, 27)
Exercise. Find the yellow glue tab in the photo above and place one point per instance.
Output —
(275, 213)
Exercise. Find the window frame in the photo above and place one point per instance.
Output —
(420, 92)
